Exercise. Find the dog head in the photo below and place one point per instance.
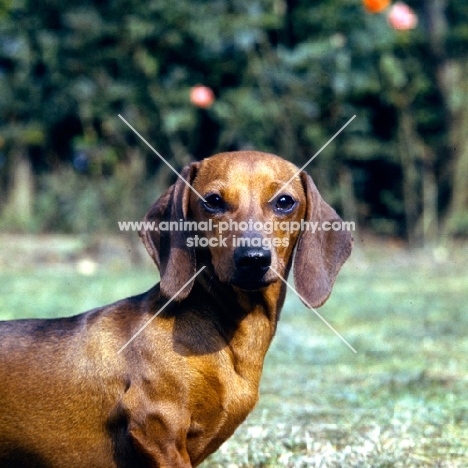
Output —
(244, 214)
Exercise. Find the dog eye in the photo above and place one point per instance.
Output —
(285, 203)
(214, 203)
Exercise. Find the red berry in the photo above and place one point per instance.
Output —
(202, 96)
(402, 17)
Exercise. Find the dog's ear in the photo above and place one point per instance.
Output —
(320, 254)
(168, 247)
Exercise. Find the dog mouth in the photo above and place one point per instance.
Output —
(252, 279)
(250, 285)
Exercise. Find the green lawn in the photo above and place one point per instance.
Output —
(401, 401)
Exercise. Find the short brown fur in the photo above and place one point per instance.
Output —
(181, 387)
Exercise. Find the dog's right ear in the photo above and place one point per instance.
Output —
(168, 247)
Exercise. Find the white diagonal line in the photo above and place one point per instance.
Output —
(160, 310)
(159, 155)
(314, 156)
(313, 310)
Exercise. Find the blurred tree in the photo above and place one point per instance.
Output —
(286, 75)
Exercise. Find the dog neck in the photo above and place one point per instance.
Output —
(247, 319)
(239, 303)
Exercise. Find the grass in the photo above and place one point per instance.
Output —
(401, 401)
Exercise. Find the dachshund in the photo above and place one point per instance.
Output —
(162, 379)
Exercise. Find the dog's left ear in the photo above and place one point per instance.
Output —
(320, 254)
(168, 247)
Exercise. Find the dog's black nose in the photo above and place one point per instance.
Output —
(253, 261)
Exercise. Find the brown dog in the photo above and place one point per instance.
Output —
(75, 393)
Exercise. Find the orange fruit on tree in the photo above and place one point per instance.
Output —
(375, 6)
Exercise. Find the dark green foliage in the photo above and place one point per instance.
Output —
(286, 74)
